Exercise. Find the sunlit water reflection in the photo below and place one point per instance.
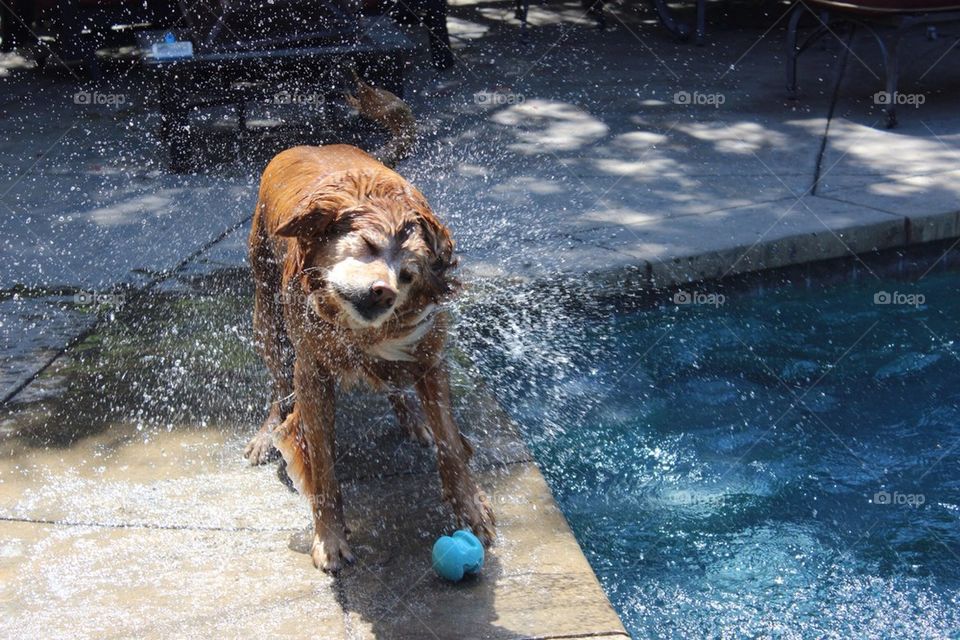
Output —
(782, 465)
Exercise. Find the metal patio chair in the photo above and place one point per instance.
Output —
(900, 16)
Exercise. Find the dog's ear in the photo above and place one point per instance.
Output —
(439, 240)
(307, 211)
(437, 237)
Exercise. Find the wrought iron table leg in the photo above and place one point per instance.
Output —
(522, 9)
(792, 51)
(889, 49)
(241, 115)
(890, 54)
(893, 77)
(701, 21)
(175, 133)
(795, 48)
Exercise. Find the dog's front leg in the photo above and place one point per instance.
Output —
(315, 400)
(469, 502)
(410, 417)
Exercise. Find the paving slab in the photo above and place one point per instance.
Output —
(127, 460)
(114, 229)
(765, 236)
(123, 474)
(939, 222)
(100, 582)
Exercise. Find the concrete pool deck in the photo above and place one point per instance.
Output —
(122, 518)
(559, 159)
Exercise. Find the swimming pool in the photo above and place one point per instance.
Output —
(782, 464)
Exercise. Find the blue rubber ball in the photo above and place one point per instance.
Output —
(457, 555)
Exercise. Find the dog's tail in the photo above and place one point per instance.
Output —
(389, 111)
(289, 440)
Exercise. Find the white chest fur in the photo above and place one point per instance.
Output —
(401, 347)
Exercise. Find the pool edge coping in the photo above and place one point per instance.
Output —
(716, 265)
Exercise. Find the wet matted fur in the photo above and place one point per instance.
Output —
(350, 267)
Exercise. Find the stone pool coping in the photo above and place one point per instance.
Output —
(691, 250)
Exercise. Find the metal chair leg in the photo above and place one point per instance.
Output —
(795, 47)
(890, 55)
(792, 51)
(522, 9)
(893, 77)
(701, 21)
(241, 115)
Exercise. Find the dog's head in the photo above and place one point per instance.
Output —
(368, 247)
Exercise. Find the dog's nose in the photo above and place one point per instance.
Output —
(382, 294)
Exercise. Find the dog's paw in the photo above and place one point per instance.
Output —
(260, 449)
(330, 551)
(473, 509)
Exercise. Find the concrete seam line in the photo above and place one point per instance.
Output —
(144, 525)
(95, 324)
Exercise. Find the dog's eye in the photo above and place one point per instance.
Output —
(371, 247)
(406, 276)
(406, 231)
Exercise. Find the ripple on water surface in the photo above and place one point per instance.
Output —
(784, 465)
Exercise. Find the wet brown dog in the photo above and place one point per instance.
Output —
(350, 266)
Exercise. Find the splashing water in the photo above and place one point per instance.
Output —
(784, 464)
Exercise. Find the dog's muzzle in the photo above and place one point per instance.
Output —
(370, 303)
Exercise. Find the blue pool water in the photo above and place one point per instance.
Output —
(781, 465)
